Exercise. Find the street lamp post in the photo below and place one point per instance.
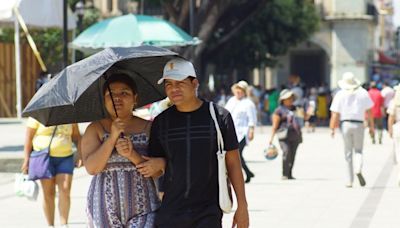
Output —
(80, 12)
(65, 33)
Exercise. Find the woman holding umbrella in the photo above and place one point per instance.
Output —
(119, 196)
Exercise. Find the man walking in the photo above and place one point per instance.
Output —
(244, 117)
(387, 93)
(349, 107)
(185, 136)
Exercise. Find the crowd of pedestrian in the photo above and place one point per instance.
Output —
(164, 172)
(312, 103)
(351, 107)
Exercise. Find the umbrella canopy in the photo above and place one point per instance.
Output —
(76, 93)
(132, 30)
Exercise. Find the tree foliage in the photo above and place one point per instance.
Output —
(244, 34)
(280, 25)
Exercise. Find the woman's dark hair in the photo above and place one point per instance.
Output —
(119, 77)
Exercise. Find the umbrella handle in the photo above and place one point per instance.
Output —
(115, 110)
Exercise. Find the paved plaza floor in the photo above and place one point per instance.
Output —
(316, 199)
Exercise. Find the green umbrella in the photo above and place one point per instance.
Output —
(130, 31)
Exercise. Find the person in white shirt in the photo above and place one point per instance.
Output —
(349, 107)
(387, 93)
(394, 126)
(244, 117)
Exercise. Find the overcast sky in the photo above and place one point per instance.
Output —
(396, 18)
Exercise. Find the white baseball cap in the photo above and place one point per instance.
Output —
(177, 69)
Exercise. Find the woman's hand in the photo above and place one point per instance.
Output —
(25, 166)
(152, 167)
(78, 162)
(117, 127)
(124, 147)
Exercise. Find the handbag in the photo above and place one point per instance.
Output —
(39, 163)
(25, 187)
(225, 193)
(282, 133)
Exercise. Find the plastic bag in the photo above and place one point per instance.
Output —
(23, 187)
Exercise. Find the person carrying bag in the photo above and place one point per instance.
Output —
(49, 158)
(225, 192)
(287, 127)
(39, 163)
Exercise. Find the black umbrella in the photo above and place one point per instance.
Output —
(76, 93)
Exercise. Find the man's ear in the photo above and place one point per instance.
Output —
(196, 83)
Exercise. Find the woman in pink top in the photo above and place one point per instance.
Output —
(377, 110)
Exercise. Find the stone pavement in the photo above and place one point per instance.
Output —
(317, 199)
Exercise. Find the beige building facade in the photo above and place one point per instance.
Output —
(109, 8)
(349, 37)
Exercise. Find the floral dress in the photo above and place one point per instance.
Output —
(120, 196)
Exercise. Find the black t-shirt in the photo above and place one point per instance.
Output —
(189, 143)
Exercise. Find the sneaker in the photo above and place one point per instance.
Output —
(349, 185)
(361, 179)
(285, 178)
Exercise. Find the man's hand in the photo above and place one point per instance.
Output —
(241, 218)
(152, 167)
(250, 136)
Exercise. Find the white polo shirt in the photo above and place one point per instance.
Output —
(394, 110)
(387, 94)
(351, 105)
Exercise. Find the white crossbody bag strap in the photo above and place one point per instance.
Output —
(220, 140)
(225, 197)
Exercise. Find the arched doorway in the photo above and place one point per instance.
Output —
(311, 62)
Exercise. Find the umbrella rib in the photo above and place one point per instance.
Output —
(145, 79)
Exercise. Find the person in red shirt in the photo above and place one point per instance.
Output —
(377, 110)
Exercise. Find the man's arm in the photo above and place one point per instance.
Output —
(241, 218)
(334, 122)
(154, 165)
(252, 115)
(390, 125)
